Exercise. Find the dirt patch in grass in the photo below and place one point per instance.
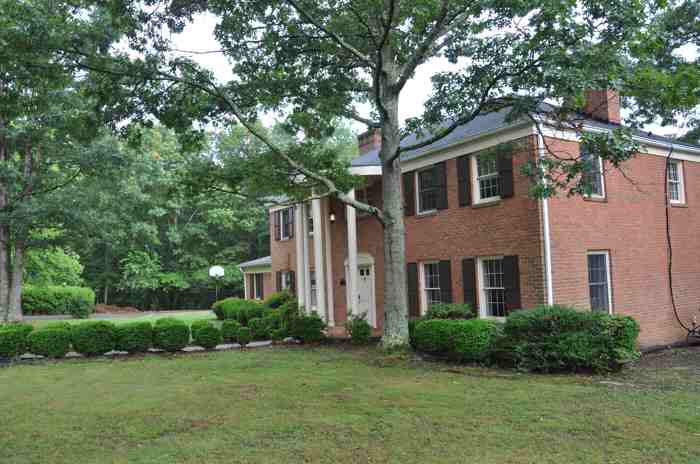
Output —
(112, 309)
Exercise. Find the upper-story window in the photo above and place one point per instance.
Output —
(427, 190)
(284, 223)
(593, 174)
(676, 190)
(486, 178)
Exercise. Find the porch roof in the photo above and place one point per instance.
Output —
(258, 262)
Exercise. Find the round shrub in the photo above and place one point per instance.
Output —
(79, 302)
(277, 299)
(205, 334)
(134, 337)
(170, 334)
(13, 339)
(229, 330)
(467, 340)
(273, 319)
(449, 311)
(359, 329)
(244, 336)
(278, 335)
(52, 343)
(238, 309)
(93, 338)
(308, 328)
(259, 328)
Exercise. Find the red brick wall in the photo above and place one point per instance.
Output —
(283, 253)
(630, 224)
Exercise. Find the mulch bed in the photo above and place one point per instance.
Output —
(111, 309)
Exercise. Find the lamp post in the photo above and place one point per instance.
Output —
(216, 272)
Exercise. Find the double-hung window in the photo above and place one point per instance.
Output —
(286, 223)
(432, 293)
(493, 291)
(676, 191)
(599, 281)
(593, 174)
(427, 190)
(286, 280)
(486, 178)
(312, 287)
(257, 286)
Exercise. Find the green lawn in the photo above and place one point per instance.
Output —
(288, 405)
(187, 316)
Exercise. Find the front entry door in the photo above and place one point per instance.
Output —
(365, 290)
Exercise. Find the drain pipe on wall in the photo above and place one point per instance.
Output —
(545, 219)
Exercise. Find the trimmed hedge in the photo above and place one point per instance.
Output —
(278, 299)
(79, 302)
(134, 337)
(359, 329)
(244, 336)
(259, 328)
(93, 338)
(205, 334)
(229, 330)
(558, 338)
(171, 334)
(13, 339)
(238, 309)
(50, 342)
(466, 340)
(449, 311)
(308, 328)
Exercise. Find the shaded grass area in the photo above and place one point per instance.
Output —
(188, 316)
(330, 404)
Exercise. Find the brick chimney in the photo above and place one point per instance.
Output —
(370, 140)
(603, 105)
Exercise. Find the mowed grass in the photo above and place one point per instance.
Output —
(188, 316)
(289, 405)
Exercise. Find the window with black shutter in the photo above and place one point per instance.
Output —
(445, 281)
(276, 225)
(412, 287)
(511, 282)
(463, 180)
(409, 202)
(278, 281)
(431, 194)
(499, 281)
(469, 281)
(505, 175)
(286, 221)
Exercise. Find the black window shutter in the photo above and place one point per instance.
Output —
(505, 174)
(469, 282)
(511, 282)
(291, 222)
(441, 180)
(276, 222)
(292, 282)
(409, 194)
(278, 280)
(412, 284)
(446, 281)
(463, 180)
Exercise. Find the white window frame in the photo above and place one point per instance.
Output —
(286, 281)
(255, 288)
(423, 289)
(476, 190)
(680, 182)
(289, 223)
(313, 289)
(481, 281)
(601, 173)
(416, 176)
(608, 278)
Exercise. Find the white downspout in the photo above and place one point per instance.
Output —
(545, 218)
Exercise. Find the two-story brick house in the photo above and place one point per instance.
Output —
(475, 235)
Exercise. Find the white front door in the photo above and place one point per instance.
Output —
(365, 290)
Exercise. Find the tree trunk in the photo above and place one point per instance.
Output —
(4, 271)
(15, 306)
(395, 292)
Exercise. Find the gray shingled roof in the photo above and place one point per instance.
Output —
(480, 125)
(265, 261)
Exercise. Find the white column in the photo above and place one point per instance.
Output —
(307, 262)
(300, 237)
(352, 278)
(246, 290)
(329, 261)
(318, 257)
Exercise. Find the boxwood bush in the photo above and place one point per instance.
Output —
(171, 334)
(229, 330)
(449, 311)
(244, 336)
(307, 328)
(466, 340)
(557, 338)
(206, 334)
(359, 329)
(134, 337)
(93, 337)
(259, 328)
(79, 302)
(238, 309)
(13, 339)
(278, 299)
(50, 342)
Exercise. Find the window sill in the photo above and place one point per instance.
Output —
(432, 212)
(493, 318)
(678, 205)
(595, 199)
(487, 203)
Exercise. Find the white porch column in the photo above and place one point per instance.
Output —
(319, 266)
(329, 261)
(352, 278)
(307, 263)
(246, 290)
(300, 237)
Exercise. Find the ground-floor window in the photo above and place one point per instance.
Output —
(599, 280)
(312, 286)
(287, 280)
(430, 281)
(257, 281)
(493, 291)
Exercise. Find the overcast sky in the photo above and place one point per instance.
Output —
(198, 36)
